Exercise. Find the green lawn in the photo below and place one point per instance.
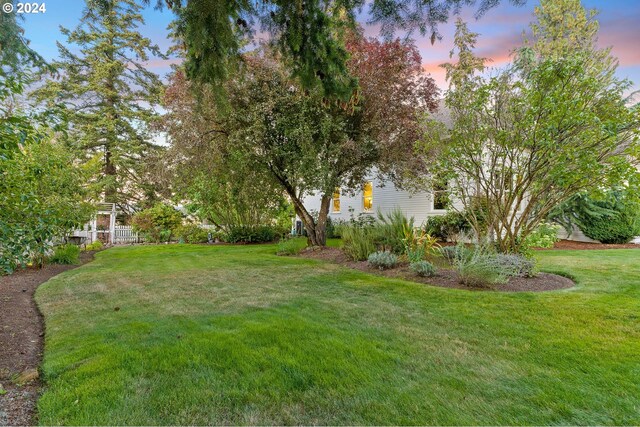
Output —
(181, 334)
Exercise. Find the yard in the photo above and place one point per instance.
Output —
(188, 334)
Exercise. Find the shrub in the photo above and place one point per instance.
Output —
(545, 235)
(358, 242)
(477, 267)
(66, 254)
(417, 244)
(620, 225)
(252, 234)
(515, 265)
(383, 260)
(448, 226)
(391, 230)
(94, 246)
(192, 233)
(292, 246)
(452, 253)
(157, 223)
(423, 268)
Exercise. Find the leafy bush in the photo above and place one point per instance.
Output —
(383, 260)
(252, 234)
(515, 265)
(66, 254)
(157, 223)
(545, 235)
(448, 226)
(192, 233)
(612, 216)
(423, 268)
(94, 246)
(358, 242)
(291, 246)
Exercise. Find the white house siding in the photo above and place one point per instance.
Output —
(385, 198)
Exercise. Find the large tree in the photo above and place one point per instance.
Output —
(309, 33)
(107, 94)
(553, 123)
(311, 145)
(215, 179)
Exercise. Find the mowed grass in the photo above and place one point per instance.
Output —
(180, 334)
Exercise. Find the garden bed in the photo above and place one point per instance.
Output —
(444, 277)
(22, 338)
(573, 245)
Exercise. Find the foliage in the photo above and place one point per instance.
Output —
(358, 242)
(383, 260)
(417, 244)
(311, 37)
(42, 191)
(311, 146)
(610, 216)
(66, 254)
(156, 224)
(253, 233)
(447, 227)
(393, 229)
(107, 96)
(553, 123)
(94, 246)
(545, 235)
(218, 179)
(422, 268)
(291, 246)
(477, 267)
(619, 224)
(191, 233)
(515, 265)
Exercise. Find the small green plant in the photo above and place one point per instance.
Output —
(157, 223)
(291, 246)
(94, 246)
(252, 234)
(452, 253)
(391, 230)
(545, 236)
(66, 254)
(383, 260)
(423, 268)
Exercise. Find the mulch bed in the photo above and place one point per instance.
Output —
(570, 244)
(22, 341)
(445, 278)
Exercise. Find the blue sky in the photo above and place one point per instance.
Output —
(500, 31)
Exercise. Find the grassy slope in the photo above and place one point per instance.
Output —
(225, 335)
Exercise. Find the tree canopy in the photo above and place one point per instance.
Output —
(308, 33)
(528, 137)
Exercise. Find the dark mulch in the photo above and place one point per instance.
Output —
(444, 277)
(570, 244)
(22, 339)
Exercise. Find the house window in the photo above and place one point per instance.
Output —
(441, 200)
(367, 196)
(336, 200)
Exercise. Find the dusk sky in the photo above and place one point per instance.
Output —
(500, 31)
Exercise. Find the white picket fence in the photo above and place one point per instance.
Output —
(125, 234)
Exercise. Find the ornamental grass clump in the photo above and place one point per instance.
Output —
(383, 260)
(66, 254)
(478, 267)
(291, 246)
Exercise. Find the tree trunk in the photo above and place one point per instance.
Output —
(316, 231)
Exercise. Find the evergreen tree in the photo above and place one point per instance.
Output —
(107, 95)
